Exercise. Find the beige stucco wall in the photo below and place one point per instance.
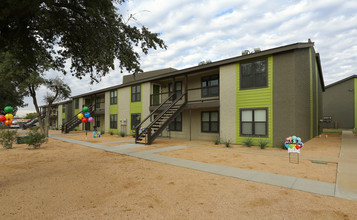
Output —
(124, 109)
(195, 124)
(145, 100)
(59, 110)
(227, 91)
(106, 111)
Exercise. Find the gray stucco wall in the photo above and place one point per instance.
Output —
(283, 95)
(291, 95)
(338, 103)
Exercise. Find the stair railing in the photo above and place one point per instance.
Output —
(74, 121)
(137, 128)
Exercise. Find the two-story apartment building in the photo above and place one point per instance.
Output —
(340, 104)
(263, 95)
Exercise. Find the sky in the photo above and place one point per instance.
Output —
(214, 30)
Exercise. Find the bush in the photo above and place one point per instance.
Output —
(34, 128)
(282, 145)
(122, 134)
(217, 141)
(101, 132)
(263, 143)
(36, 139)
(248, 142)
(111, 133)
(7, 138)
(227, 143)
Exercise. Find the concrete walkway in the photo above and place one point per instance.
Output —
(346, 181)
(312, 186)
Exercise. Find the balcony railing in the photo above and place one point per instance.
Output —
(194, 95)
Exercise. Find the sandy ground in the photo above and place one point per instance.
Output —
(68, 181)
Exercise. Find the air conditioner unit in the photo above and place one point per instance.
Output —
(257, 50)
(245, 52)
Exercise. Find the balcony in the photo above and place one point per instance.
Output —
(99, 108)
(196, 97)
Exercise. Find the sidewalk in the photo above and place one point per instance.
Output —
(306, 185)
(346, 181)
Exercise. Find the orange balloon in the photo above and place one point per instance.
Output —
(8, 122)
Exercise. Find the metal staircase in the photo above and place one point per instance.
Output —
(75, 121)
(152, 131)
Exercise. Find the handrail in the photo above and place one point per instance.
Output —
(142, 122)
(163, 112)
(73, 119)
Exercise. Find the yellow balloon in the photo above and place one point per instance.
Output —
(80, 116)
(9, 116)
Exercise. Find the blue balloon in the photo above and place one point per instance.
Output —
(87, 114)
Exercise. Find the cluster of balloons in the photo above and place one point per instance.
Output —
(8, 116)
(86, 116)
(293, 142)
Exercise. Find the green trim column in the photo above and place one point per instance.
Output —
(311, 98)
(355, 100)
(114, 109)
(255, 98)
(136, 107)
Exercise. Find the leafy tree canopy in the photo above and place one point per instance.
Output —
(31, 115)
(44, 34)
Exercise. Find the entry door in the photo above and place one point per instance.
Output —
(156, 95)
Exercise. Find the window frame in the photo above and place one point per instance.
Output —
(254, 74)
(97, 121)
(76, 104)
(97, 102)
(178, 92)
(113, 96)
(63, 108)
(113, 121)
(173, 124)
(207, 80)
(135, 96)
(253, 122)
(210, 122)
(131, 120)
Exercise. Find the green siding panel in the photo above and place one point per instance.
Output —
(136, 107)
(255, 98)
(355, 89)
(114, 109)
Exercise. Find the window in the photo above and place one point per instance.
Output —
(97, 102)
(136, 93)
(253, 122)
(176, 124)
(114, 121)
(113, 97)
(76, 103)
(210, 122)
(210, 86)
(63, 108)
(135, 120)
(63, 121)
(253, 74)
(97, 121)
(178, 88)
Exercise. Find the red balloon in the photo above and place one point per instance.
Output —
(84, 120)
(8, 122)
(2, 118)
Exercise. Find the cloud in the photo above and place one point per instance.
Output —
(207, 29)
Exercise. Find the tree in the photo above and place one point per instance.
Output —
(31, 115)
(11, 95)
(60, 91)
(91, 34)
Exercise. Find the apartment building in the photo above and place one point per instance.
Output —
(263, 95)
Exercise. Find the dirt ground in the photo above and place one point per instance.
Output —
(68, 181)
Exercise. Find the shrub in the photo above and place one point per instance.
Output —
(36, 139)
(282, 145)
(122, 134)
(7, 138)
(217, 141)
(227, 143)
(34, 128)
(263, 143)
(101, 132)
(111, 133)
(248, 142)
